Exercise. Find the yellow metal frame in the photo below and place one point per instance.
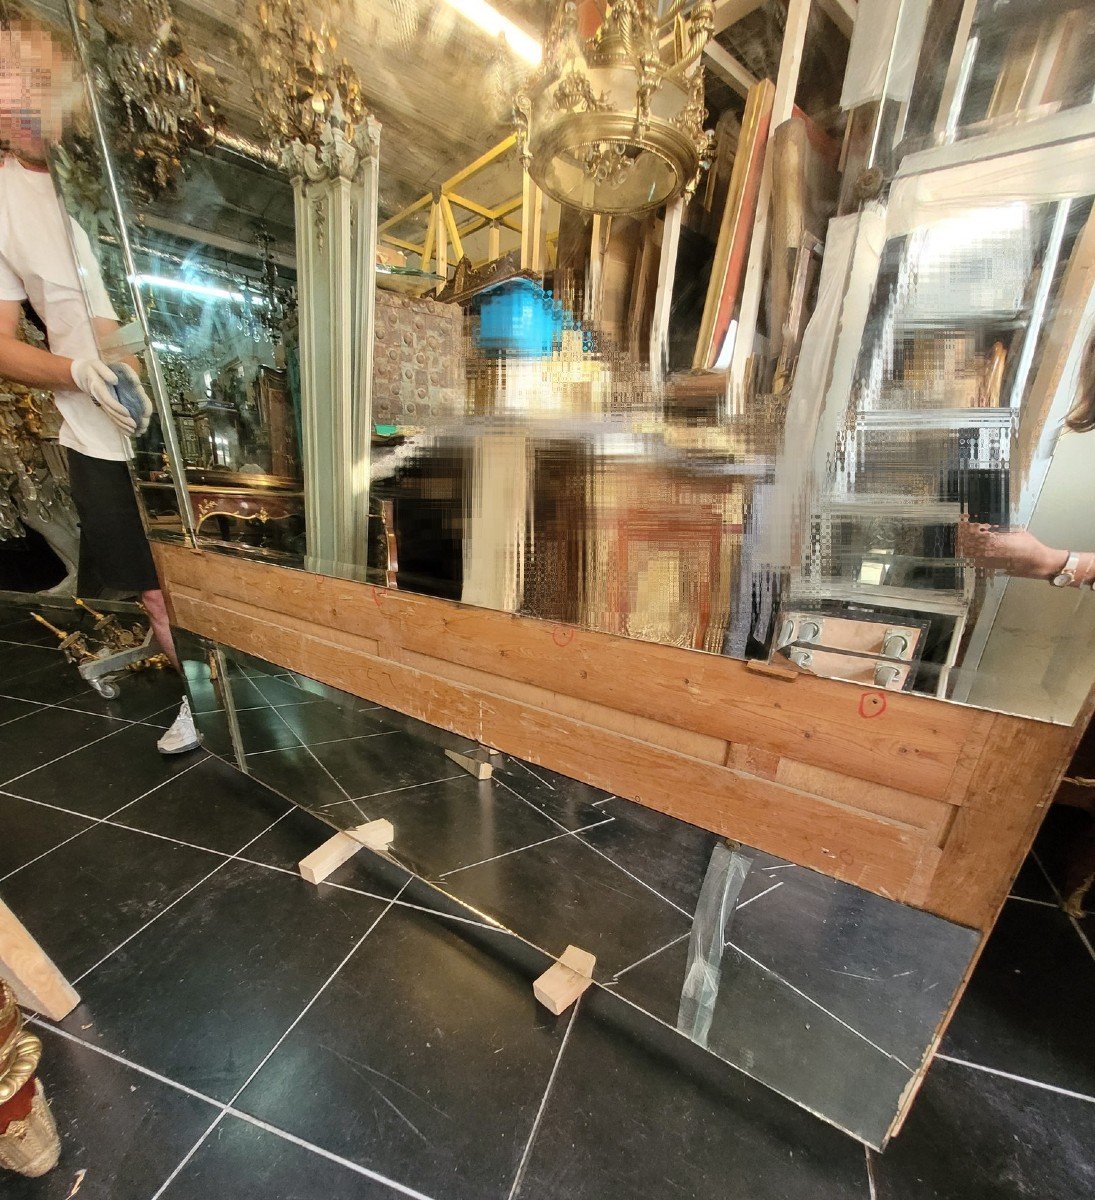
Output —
(443, 234)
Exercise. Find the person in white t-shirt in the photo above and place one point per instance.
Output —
(44, 255)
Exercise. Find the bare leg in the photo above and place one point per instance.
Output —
(161, 625)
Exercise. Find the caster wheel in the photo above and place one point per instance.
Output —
(106, 689)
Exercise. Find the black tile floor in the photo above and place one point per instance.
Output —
(244, 1034)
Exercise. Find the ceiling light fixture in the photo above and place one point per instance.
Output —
(613, 121)
(491, 21)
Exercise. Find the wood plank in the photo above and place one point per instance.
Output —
(880, 854)
(933, 816)
(792, 767)
(563, 982)
(726, 67)
(875, 853)
(812, 720)
(657, 733)
(1019, 767)
(37, 983)
(790, 61)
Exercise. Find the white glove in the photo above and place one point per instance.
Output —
(97, 380)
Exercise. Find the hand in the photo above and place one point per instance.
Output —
(1013, 551)
(132, 396)
(97, 380)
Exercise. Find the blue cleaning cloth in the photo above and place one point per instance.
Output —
(130, 394)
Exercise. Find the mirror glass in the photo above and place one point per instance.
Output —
(805, 414)
(828, 994)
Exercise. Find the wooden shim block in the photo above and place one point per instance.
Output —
(775, 670)
(477, 763)
(37, 983)
(563, 982)
(326, 859)
(329, 857)
(377, 835)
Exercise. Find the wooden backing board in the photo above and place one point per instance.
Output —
(929, 803)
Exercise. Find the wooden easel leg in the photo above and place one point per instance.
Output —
(37, 983)
(479, 763)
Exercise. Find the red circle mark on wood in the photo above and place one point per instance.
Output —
(562, 636)
(872, 704)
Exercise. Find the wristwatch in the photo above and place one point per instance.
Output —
(1066, 576)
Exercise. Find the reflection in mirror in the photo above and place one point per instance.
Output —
(810, 371)
(824, 992)
(211, 233)
(64, 263)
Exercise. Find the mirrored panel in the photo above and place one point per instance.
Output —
(828, 994)
(430, 315)
(211, 233)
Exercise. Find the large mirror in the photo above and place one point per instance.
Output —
(822, 991)
(796, 391)
(736, 329)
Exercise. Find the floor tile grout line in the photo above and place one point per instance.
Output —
(34, 706)
(353, 737)
(1061, 904)
(746, 903)
(1034, 1083)
(872, 1188)
(555, 837)
(1031, 900)
(178, 900)
(75, 750)
(236, 856)
(652, 954)
(642, 882)
(227, 1109)
(94, 821)
(320, 1152)
(269, 1054)
(125, 1062)
(538, 778)
(152, 921)
(522, 1166)
(87, 712)
(798, 991)
(345, 887)
(313, 755)
(758, 896)
(409, 787)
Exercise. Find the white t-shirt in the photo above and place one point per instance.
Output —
(36, 264)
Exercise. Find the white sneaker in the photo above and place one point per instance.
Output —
(182, 736)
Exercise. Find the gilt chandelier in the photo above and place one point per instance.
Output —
(612, 122)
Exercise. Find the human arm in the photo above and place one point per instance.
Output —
(1019, 553)
(35, 367)
(28, 364)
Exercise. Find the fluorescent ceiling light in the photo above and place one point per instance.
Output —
(491, 21)
(203, 291)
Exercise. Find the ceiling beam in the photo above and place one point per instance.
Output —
(730, 12)
(727, 68)
(841, 13)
